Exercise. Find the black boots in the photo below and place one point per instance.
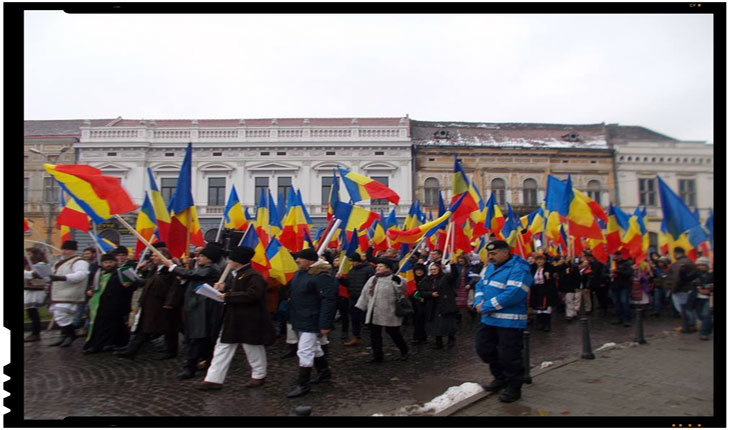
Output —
(439, 343)
(68, 335)
(292, 350)
(323, 371)
(302, 386)
(495, 385)
(510, 394)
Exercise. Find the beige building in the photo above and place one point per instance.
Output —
(511, 160)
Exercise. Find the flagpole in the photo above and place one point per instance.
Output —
(327, 239)
(453, 235)
(141, 239)
(446, 242)
(410, 254)
(96, 241)
(220, 228)
(41, 243)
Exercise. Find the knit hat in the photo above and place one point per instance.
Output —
(703, 260)
(241, 254)
(392, 264)
(213, 252)
(307, 254)
(71, 245)
(108, 257)
(356, 257)
(497, 244)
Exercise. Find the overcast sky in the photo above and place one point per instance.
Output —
(649, 70)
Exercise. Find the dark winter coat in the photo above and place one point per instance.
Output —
(313, 300)
(680, 275)
(246, 317)
(546, 294)
(623, 278)
(160, 289)
(568, 278)
(356, 279)
(445, 303)
(202, 315)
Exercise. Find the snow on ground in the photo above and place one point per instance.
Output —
(606, 346)
(451, 397)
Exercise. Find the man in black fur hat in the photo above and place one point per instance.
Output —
(201, 313)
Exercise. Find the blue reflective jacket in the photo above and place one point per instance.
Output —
(503, 292)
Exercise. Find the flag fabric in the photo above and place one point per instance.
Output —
(259, 261)
(494, 219)
(415, 234)
(632, 239)
(262, 225)
(65, 233)
(407, 272)
(460, 187)
(308, 242)
(162, 216)
(677, 215)
(555, 196)
(595, 207)
(511, 228)
(281, 205)
(72, 215)
(184, 224)
(710, 226)
(26, 224)
(412, 219)
(233, 212)
(294, 226)
(105, 245)
(391, 221)
(614, 231)
(378, 237)
(581, 222)
(283, 266)
(100, 196)
(361, 187)
(274, 218)
(146, 225)
(334, 196)
(354, 217)
(304, 208)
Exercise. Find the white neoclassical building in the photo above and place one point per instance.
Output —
(642, 154)
(253, 154)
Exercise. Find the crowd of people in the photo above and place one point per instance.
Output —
(118, 304)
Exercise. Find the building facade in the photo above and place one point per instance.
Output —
(511, 160)
(686, 167)
(253, 154)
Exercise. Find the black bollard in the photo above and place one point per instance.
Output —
(527, 379)
(639, 335)
(587, 350)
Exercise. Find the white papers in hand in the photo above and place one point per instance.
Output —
(208, 291)
(43, 270)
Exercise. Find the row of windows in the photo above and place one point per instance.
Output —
(262, 153)
(648, 192)
(668, 159)
(217, 190)
(498, 187)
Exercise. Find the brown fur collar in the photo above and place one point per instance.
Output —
(321, 266)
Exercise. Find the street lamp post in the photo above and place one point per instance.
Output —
(52, 200)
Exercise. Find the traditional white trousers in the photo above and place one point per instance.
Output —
(63, 313)
(223, 354)
(308, 348)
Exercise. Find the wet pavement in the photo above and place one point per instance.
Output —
(61, 382)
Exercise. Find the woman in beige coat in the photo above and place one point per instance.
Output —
(378, 301)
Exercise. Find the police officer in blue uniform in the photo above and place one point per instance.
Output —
(501, 300)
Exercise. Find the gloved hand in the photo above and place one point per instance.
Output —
(396, 279)
(57, 278)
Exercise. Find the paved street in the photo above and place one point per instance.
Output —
(670, 376)
(64, 382)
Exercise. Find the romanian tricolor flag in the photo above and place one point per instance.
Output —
(283, 266)
(262, 225)
(334, 196)
(72, 215)
(581, 221)
(233, 212)
(26, 224)
(460, 187)
(415, 234)
(363, 188)
(304, 208)
(354, 217)
(511, 228)
(494, 220)
(65, 233)
(391, 221)
(295, 225)
(184, 224)
(105, 245)
(281, 204)
(162, 216)
(406, 270)
(632, 239)
(378, 237)
(259, 262)
(614, 229)
(101, 197)
(146, 225)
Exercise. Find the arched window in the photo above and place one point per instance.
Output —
(499, 190)
(529, 192)
(431, 192)
(594, 190)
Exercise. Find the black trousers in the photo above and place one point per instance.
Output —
(136, 341)
(198, 349)
(376, 339)
(501, 348)
(35, 320)
(357, 317)
(419, 320)
(603, 298)
(343, 305)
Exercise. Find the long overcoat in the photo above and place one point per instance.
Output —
(245, 317)
(202, 315)
(160, 289)
(313, 301)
